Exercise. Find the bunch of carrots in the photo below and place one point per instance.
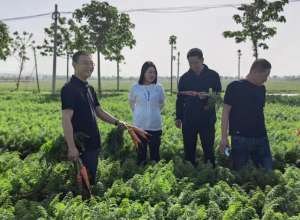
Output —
(135, 134)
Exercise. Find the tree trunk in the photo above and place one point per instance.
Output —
(255, 50)
(21, 69)
(98, 72)
(68, 57)
(118, 76)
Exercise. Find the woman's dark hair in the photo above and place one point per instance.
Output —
(145, 67)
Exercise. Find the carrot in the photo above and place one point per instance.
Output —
(134, 137)
(78, 175)
(84, 176)
(141, 132)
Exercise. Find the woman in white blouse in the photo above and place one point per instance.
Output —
(146, 100)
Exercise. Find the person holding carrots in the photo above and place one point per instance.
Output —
(80, 110)
(146, 100)
(194, 115)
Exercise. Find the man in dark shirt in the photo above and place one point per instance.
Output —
(80, 109)
(193, 113)
(243, 112)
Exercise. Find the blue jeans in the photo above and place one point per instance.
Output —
(256, 149)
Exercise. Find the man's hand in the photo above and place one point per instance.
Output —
(121, 125)
(223, 143)
(203, 95)
(73, 153)
(178, 123)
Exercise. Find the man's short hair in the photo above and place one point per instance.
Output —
(260, 65)
(195, 52)
(76, 55)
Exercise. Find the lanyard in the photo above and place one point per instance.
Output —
(91, 102)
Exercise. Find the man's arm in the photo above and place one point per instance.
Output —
(218, 86)
(179, 105)
(105, 116)
(73, 153)
(224, 126)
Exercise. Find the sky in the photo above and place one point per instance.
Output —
(202, 29)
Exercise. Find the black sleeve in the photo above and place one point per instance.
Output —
(229, 97)
(264, 94)
(218, 85)
(67, 98)
(96, 101)
(180, 101)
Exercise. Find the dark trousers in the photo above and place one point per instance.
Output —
(90, 160)
(153, 143)
(207, 137)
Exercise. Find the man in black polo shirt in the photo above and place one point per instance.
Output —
(80, 109)
(243, 112)
(193, 114)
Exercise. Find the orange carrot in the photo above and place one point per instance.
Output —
(84, 176)
(141, 132)
(134, 137)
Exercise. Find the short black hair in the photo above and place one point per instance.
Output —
(260, 65)
(145, 67)
(195, 52)
(77, 54)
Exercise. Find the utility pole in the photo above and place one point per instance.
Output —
(178, 65)
(55, 16)
(172, 58)
(239, 63)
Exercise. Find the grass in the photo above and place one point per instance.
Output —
(273, 85)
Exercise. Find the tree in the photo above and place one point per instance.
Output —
(98, 17)
(255, 21)
(172, 42)
(120, 36)
(5, 41)
(70, 37)
(20, 44)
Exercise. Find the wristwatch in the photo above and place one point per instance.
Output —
(117, 122)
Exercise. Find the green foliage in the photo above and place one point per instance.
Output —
(37, 184)
(28, 210)
(255, 20)
(55, 151)
(5, 41)
(71, 36)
